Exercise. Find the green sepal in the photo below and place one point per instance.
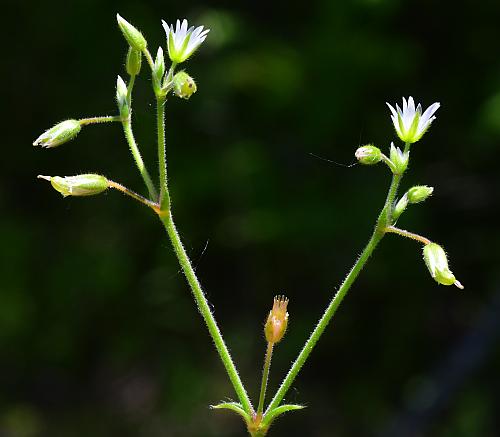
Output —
(233, 406)
(134, 61)
(270, 416)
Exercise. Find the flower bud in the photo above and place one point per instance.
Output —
(122, 97)
(437, 263)
(158, 70)
(368, 154)
(131, 34)
(134, 61)
(81, 185)
(277, 320)
(399, 159)
(184, 85)
(59, 134)
(419, 193)
(400, 207)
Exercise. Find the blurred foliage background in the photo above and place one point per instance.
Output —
(98, 333)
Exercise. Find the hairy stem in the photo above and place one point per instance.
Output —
(102, 119)
(162, 160)
(205, 311)
(265, 377)
(407, 234)
(129, 135)
(154, 206)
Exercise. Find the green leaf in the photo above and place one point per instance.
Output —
(271, 415)
(233, 406)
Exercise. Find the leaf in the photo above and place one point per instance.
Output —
(271, 415)
(233, 406)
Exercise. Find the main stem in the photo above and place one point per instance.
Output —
(165, 215)
(162, 159)
(378, 234)
(206, 313)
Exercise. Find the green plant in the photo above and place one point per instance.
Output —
(409, 122)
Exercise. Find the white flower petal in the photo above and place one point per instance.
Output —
(393, 111)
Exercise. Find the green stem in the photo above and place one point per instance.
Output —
(103, 119)
(162, 159)
(377, 235)
(129, 90)
(149, 58)
(265, 377)
(206, 313)
(129, 135)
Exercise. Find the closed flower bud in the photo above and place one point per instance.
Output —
(131, 34)
(277, 320)
(59, 134)
(122, 97)
(368, 154)
(158, 69)
(437, 263)
(399, 159)
(81, 185)
(134, 61)
(184, 85)
(400, 207)
(419, 193)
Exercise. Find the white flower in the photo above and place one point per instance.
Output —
(182, 42)
(410, 123)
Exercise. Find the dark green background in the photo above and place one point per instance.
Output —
(98, 333)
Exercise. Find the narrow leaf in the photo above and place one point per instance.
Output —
(271, 415)
(233, 406)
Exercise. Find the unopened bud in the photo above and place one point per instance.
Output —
(134, 61)
(399, 159)
(184, 85)
(419, 193)
(131, 34)
(81, 185)
(400, 207)
(158, 69)
(122, 97)
(59, 134)
(368, 154)
(437, 263)
(277, 320)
